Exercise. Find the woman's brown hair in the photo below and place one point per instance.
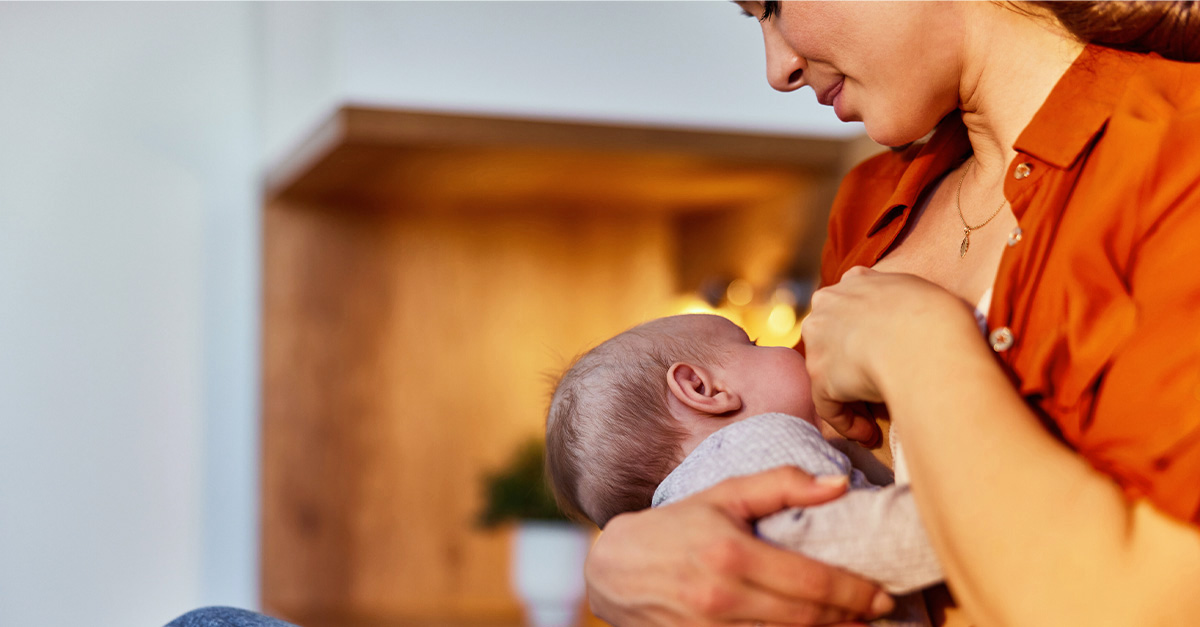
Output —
(1172, 29)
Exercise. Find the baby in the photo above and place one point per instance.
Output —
(678, 404)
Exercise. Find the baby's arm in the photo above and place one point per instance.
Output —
(872, 531)
(875, 533)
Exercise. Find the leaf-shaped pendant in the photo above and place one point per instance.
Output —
(966, 243)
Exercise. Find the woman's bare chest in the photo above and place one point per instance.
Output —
(931, 245)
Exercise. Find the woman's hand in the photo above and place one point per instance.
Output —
(867, 323)
(696, 562)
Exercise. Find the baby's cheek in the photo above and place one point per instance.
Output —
(804, 389)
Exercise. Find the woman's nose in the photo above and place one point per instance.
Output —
(785, 67)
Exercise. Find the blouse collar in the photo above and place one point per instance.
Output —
(1076, 110)
(1079, 106)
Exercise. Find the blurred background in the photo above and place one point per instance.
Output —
(279, 281)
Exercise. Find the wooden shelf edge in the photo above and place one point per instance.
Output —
(415, 129)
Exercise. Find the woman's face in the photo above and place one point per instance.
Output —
(895, 66)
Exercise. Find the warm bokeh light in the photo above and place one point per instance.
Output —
(773, 323)
(770, 325)
(782, 319)
(784, 295)
(692, 304)
(739, 293)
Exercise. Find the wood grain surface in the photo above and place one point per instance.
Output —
(424, 278)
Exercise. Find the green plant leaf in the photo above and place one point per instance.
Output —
(519, 491)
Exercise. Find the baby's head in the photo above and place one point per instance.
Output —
(626, 413)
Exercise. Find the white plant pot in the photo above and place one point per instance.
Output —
(547, 571)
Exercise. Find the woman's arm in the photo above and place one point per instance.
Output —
(695, 562)
(1028, 532)
(1051, 541)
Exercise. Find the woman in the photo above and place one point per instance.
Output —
(1057, 463)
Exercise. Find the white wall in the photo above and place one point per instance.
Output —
(131, 137)
(128, 299)
(671, 63)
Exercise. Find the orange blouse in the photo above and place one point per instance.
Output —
(1096, 307)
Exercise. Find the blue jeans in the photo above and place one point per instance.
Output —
(225, 617)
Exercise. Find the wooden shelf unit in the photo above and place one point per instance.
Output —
(423, 275)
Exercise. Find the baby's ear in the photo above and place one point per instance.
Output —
(697, 388)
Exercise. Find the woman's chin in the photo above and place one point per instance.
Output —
(892, 137)
(898, 127)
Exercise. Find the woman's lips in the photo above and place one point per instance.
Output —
(832, 97)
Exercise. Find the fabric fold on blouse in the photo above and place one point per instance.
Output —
(1096, 306)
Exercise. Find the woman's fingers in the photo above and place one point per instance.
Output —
(858, 271)
(805, 589)
(797, 584)
(849, 423)
(853, 420)
(695, 562)
(863, 330)
(756, 605)
(779, 586)
(749, 498)
(759, 623)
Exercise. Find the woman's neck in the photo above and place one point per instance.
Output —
(1011, 64)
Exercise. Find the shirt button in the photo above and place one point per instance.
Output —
(1001, 339)
(1014, 236)
(1022, 171)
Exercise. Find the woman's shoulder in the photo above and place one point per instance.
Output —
(1128, 124)
(1162, 87)
(1160, 97)
(1124, 105)
(1160, 100)
(1150, 140)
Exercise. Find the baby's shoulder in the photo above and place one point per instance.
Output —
(750, 446)
(761, 432)
(771, 440)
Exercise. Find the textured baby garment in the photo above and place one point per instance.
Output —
(872, 530)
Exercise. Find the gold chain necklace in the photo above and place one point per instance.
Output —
(966, 243)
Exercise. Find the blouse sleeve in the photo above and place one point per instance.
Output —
(1146, 418)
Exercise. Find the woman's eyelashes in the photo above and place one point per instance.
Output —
(769, 10)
